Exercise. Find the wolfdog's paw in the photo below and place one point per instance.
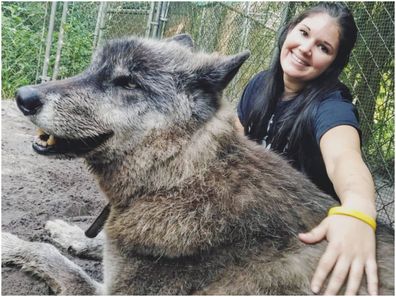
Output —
(69, 237)
(72, 238)
(11, 247)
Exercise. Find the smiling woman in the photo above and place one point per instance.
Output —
(309, 49)
(300, 109)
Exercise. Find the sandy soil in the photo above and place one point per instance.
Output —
(36, 189)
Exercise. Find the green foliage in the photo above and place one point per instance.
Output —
(22, 24)
(23, 41)
(78, 38)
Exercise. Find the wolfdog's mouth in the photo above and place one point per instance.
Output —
(46, 144)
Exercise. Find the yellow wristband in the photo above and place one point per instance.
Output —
(353, 213)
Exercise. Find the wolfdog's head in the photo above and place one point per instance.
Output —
(132, 88)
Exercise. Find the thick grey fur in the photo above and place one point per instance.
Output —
(196, 208)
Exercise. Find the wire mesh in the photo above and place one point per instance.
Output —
(370, 76)
(125, 18)
(226, 27)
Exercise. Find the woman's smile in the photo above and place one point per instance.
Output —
(298, 61)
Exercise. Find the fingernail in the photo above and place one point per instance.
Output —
(315, 289)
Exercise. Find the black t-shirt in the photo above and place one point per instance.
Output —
(333, 111)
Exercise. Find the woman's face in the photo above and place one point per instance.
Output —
(310, 48)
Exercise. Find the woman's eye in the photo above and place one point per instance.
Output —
(324, 49)
(303, 32)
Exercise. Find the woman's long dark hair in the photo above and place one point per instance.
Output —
(297, 119)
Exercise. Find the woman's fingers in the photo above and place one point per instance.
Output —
(372, 277)
(338, 276)
(349, 254)
(326, 264)
(355, 278)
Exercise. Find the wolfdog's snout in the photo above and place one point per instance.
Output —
(28, 100)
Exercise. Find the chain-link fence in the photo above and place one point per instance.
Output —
(33, 52)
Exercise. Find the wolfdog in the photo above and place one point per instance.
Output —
(194, 207)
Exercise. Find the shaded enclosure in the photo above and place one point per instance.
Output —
(44, 40)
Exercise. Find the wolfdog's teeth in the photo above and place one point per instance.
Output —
(51, 140)
(40, 142)
(44, 143)
(43, 139)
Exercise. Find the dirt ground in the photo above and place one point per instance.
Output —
(36, 189)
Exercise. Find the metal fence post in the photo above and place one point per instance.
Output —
(156, 23)
(164, 18)
(201, 25)
(97, 27)
(44, 77)
(37, 76)
(150, 19)
(60, 41)
(101, 22)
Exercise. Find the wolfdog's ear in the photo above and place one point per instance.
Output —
(183, 39)
(220, 74)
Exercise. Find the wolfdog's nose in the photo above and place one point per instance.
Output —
(28, 100)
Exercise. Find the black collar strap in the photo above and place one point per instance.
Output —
(98, 224)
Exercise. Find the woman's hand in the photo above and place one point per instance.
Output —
(350, 253)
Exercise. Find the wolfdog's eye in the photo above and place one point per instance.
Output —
(124, 82)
